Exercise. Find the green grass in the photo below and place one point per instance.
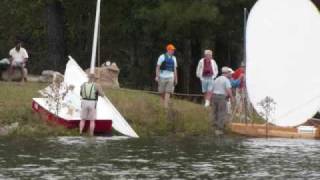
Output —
(15, 106)
(142, 110)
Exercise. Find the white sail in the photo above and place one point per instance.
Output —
(74, 75)
(283, 59)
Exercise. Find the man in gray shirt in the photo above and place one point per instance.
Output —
(222, 92)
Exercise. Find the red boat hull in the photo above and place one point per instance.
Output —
(102, 126)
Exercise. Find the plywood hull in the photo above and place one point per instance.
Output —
(103, 126)
(260, 130)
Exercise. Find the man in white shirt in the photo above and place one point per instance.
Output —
(222, 92)
(18, 58)
(166, 74)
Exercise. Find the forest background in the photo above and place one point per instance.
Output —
(133, 34)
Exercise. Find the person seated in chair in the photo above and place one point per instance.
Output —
(18, 59)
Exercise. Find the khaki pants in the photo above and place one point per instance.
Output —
(219, 111)
(88, 110)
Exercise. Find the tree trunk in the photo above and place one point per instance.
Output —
(55, 33)
(186, 65)
(195, 84)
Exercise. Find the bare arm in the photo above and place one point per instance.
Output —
(157, 73)
(100, 91)
(10, 57)
(175, 76)
(230, 95)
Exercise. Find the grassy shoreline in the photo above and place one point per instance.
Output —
(143, 111)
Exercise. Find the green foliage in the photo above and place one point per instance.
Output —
(133, 33)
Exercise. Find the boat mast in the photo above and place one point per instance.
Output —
(99, 44)
(245, 15)
(95, 38)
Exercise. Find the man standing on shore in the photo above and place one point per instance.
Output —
(222, 92)
(89, 92)
(166, 74)
(18, 59)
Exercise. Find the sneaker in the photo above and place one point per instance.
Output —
(207, 103)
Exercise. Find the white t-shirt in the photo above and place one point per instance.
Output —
(164, 74)
(221, 84)
(19, 56)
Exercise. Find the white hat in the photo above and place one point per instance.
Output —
(207, 52)
(231, 71)
(226, 69)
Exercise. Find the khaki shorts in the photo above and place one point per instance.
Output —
(166, 86)
(88, 110)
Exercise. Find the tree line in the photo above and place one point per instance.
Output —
(132, 33)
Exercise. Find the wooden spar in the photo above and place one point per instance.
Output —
(95, 38)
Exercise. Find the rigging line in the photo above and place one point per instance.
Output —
(155, 92)
(299, 106)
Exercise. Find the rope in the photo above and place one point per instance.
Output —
(155, 92)
(299, 106)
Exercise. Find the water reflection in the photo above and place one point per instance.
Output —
(159, 158)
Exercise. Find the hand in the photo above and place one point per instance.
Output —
(156, 79)
(175, 82)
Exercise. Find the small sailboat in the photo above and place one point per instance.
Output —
(62, 106)
(282, 62)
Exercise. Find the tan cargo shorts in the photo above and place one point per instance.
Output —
(166, 85)
(88, 110)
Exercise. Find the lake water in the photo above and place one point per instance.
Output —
(159, 158)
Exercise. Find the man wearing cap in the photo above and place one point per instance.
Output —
(222, 92)
(18, 58)
(89, 92)
(207, 70)
(166, 74)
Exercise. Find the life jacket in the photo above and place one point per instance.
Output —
(89, 91)
(168, 63)
(207, 68)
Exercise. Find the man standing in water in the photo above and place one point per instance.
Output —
(207, 70)
(166, 74)
(89, 92)
(18, 58)
(222, 92)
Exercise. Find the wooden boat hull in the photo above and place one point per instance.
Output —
(102, 126)
(260, 130)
